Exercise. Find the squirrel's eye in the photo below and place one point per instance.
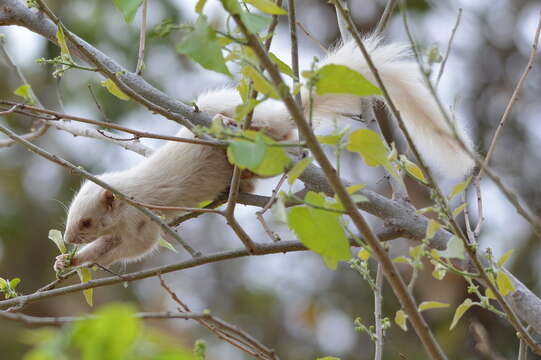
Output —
(86, 223)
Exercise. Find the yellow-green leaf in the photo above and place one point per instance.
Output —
(282, 66)
(459, 188)
(354, 188)
(505, 285)
(128, 8)
(416, 252)
(64, 51)
(371, 147)
(439, 272)
(321, 231)
(505, 257)
(85, 275)
(166, 244)
(329, 139)
(113, 89)
(400, 319)
(426, 305)
(25, 91)
(363, 254)
(401, 259)
(432, 228)
(413, 169)
(460, 310)
(199, 6)
(340, 79)
(455, 249)
(459, 209)
(490, 294)
(267, 6)
(260, 83)
(56, 237)
(298, 169)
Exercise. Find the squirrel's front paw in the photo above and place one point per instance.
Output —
(62, 262)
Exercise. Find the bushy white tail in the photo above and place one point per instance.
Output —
(424, 121)
(422, 116)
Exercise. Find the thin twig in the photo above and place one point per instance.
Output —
(55, 116)
(378, 314)
(225, 331)
(449, 46)
(259, 214)
(386, 16)
(142, 37)
(514, 97)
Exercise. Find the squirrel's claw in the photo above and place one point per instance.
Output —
(62, 262)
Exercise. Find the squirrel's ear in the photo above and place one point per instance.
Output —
(108, 198)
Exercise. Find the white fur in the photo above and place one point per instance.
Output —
(403, 80)
(181, 174)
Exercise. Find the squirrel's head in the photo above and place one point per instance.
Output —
(92, 213)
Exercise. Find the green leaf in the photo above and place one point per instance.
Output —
(371, 147)
(505, 285)
(14, 282)
(459, 209)
(401, 260)
(298, 169)
(267, 6)
(460, 310)
(56, 237)
(458, 188)
(113, 89)
(260, 83)
(282, 66)
(439, 272)
(199, 6)
(85, 275)
(275, 159)
(200, 350)
(320, 230)
(455, 249)
(432, 228)
(242, 110)
(505, 257)
(232, 6)
(203, 46)
(400, 319)
(166, 244)
(490, 294)
(279, 211)
(64, 50)
(412, 169)
(427, 305)
(354, 188)
(25, 91)
(340, 79)
(415, 252)
(110, 335)
(254, 22)
(329, 139)
(247, 154)
(128, 8)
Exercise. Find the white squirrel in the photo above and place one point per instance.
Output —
(181, 174)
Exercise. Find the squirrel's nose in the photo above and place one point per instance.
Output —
(72, 237)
